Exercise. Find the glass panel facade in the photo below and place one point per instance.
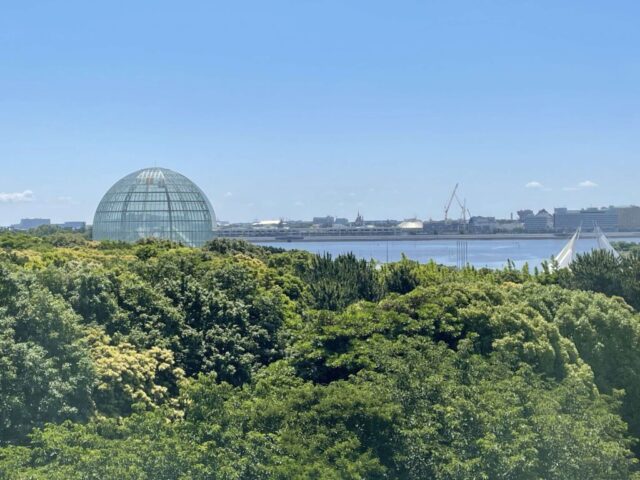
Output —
(155, 203)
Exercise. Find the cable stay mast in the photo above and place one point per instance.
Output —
(567, 254)
(603, 242)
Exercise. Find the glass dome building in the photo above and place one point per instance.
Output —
(155, 203)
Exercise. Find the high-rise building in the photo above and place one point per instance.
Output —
(628, 218)
(541, 222)
(588, 218)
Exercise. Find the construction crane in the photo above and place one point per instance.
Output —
(448, 205)
(466, 214)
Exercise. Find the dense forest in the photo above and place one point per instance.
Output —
(157, 361)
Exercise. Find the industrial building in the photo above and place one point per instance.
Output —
(155, 203)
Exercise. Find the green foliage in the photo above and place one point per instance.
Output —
(142, 446)
(597, 271)
(626, 247)
(630, 278)
(401, 277)
(157, 361)
(334, 284)
(128, 377)
(229, 246)
(600, 271)
(46, 373)
(44, 237)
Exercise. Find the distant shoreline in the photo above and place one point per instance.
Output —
(426, 238)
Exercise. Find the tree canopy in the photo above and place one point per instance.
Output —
(157, 361)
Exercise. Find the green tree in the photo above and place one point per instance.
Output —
(46, 373)
(336, 283)
(596, 271)
(630, 278)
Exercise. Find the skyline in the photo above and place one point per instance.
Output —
(525, 105)
(454, 213)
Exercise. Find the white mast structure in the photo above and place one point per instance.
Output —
(566, 255)
(604, 244)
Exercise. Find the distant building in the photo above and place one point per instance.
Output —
(324, 222)
(388, 223)
(437, 227)
(299, 223)
(628, 218)
(541, 222)
(29, 223)
(482, 225)
(341, 221)
(522, 214)
(74, 225)
(509, 226)
(359, 222)
(569, 220)
(268, 223)
(412, 224)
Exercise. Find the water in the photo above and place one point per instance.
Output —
(481, 253)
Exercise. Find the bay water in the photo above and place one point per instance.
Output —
(479, 253)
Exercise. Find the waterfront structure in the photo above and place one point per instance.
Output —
(589, 218)
(411, 224)
(389, 223)
(541, 222)
(267, 223)
(509, 226)
(480, 224)
(324, 222)
(448, 227)
(155, 203)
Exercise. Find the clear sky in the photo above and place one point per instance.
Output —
(313, 107)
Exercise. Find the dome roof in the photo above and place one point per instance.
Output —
(155, 203)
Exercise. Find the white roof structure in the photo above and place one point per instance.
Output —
(267, 223)
(411, 224)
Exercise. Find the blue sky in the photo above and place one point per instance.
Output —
(300, 108)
